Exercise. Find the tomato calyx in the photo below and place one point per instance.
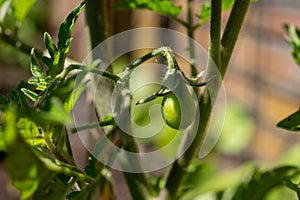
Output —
(178, 105)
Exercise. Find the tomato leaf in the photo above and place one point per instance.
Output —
(31, 95)
(3, 102)
(292, 122)
(21, 8)
(30, 132)
(67, 26)
(17, 96)
(49, 43)
(294, 39)
(262, 182)
(165, 7)
(21, 164)
(36, 70)
(73, 97)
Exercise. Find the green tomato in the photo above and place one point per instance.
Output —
(178, 107)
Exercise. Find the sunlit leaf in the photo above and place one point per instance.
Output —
(73, 97)
(31, 95)
(292, 122)
(49, 43)
(53, 66)
(22, 166)
(21, 8)
(30, 132)
(67, 26)
(165, 7)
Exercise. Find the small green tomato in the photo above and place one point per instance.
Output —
(178, 108)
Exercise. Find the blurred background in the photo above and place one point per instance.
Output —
(262, 84)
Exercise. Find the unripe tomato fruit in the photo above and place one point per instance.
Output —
(178, 107)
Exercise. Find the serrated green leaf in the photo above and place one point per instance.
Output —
(42, 85)
(36, 70)
(30, 132)
(20, 163)
(17, 96)
(63, 54)
(165, 7)
(31, 95)
(21, 8)
(46, 60)
(49, 43)
(28, 169)
(292, 122)
(33, 81)
(66, 28)
(262, 182)
(53, 67)
(32, 171)
(73, 97)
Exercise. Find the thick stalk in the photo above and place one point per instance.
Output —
(215, 34)
(97, 21)
(232, 31)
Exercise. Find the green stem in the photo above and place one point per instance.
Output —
(165, 51)
(137, 182)
(180, 21)
(232, 31)
(18, 44)
(97, 21)
(191, 38)
(64, 168)
(215, 34)
(94, 125)
(111, 76)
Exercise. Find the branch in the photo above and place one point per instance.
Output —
(18, 44)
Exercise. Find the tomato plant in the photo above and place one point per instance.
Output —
(36, 115)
